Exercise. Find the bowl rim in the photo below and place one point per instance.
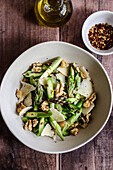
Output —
(74, 148)
(85, 41)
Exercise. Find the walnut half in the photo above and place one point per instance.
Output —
(86, 104)
(59, 89)
(62, 124)
(35, 122)
(90, 100)
(36, 67)
(92, 97)
(20, 107)
(28, 125)
(44, 106)
(18, 94)
(74, 131)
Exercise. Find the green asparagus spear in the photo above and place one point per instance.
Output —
(72, 106)
(74, 100)
(70, 86)
(56, 126)
(52, 105)
(32, 74)
(52, 67)
(72, 72)
(66, 133)
(35, 107)
(41, 126)
(40, 92)
(77, 96)
(35, 129)
(78, 80)
(71, 120)
(25, 119)
(79, 105)
(50, 91)
(58, 107)
(38, 114)
(33, 81)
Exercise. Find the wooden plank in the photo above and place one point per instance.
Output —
(80, 159)
(104, 142)
(19, 31)
(71, 32)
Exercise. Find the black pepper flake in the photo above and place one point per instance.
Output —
(101, 36)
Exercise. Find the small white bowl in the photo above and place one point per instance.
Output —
(96, 18)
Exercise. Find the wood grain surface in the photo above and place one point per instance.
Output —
(19, 30)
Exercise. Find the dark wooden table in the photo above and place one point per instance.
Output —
(19, 31)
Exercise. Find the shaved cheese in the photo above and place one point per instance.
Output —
(28, 100)
(61, 77)
(64, 70)
(84, 71)
(57, 116)
(85, 88)
(88, 110)
(26, 89)
(47, 131)
(24, 111)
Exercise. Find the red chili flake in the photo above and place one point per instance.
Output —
(101, 36)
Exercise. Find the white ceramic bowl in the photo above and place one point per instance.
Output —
(96, 18)
(41, 53)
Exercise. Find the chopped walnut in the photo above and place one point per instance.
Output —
(20, 106)
(86, 104)
(84, 125)
(18, 94)
(37, 64)
(92, 98)
(35, 122)
(62, 124)
(87, 117)
(73, 126)
(74, 131)
(75, 65)
(83, 75)
(44, 106)
(64, 64)
(78, 69)
(89, 100)
(28, 125)
(76, 124)
(25, 80)
(84, 120)
(36, 67)
(59, 89)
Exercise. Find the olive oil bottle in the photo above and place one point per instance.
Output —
(53, 13)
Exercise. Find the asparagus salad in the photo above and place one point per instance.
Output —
(55, 98)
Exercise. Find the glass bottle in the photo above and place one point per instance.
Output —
(53, 13)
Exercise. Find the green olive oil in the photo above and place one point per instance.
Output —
(53, 13)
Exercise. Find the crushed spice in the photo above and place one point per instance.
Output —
(101, 36)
